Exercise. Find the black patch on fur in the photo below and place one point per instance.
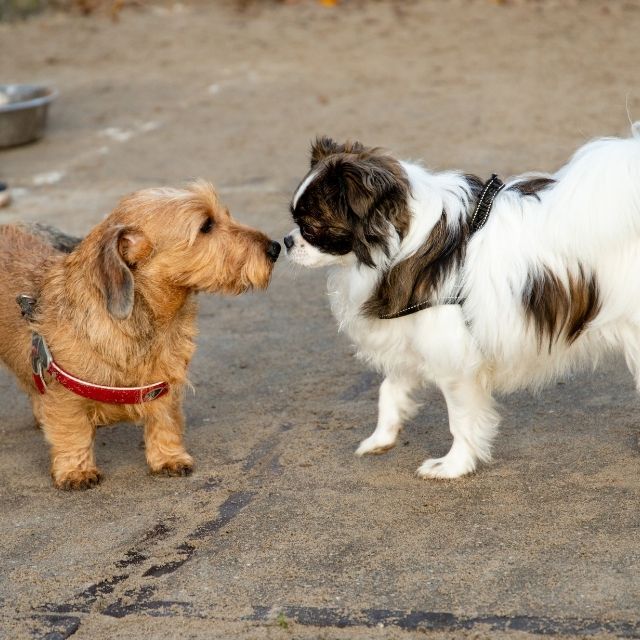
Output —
(348, 207)
(532, 186)
(558, 309)
(56, 238)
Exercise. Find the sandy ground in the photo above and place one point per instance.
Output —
(282, 532)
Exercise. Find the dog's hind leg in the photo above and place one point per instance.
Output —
(70, 434)
(164, 449)
(473, 422)
(395, 405)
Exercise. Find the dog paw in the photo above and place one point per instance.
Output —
(175, 468)
(78, 479)
(445, 468)
(374, 445)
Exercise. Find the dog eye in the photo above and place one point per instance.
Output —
(207, 225)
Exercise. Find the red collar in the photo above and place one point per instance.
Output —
(42, 361)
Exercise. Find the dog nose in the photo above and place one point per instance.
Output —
(288, 242)
(274, 250)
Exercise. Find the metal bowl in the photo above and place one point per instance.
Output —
(23, 112)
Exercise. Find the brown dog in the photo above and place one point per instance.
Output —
(120, 310)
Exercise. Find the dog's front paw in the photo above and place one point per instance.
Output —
(76, 479)
(175, 467)
(375, 445)
(446, 468)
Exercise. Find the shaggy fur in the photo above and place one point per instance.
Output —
(120, 310)
(549, 284)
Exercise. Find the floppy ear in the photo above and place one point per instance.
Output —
(120, 250)
(325, 146)
(374, 195)
(365, 184)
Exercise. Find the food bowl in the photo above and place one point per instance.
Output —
(23, 112)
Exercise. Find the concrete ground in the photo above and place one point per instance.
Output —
(281, 532)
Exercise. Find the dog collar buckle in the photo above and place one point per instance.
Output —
(40, 361)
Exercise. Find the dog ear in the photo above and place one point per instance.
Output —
(325, 146)
(365, 183)
(122, 248)
(374, 194)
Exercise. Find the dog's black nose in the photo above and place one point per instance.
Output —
(288, 242)
(274, 250)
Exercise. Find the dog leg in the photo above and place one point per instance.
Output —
(70, 434)
(394, 406)
(164, 449)
(473, 422)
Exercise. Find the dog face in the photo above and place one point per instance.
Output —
(352, 201)
(163, 239)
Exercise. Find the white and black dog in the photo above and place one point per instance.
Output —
(547, 284)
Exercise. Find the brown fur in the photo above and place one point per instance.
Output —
(557, 308)
(120, 310)
(323, 147)
(532, 186)
(417, 278)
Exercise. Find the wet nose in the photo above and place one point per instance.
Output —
(288, 242)
(274, 251)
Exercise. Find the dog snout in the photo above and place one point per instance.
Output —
(274, 251)
(288, 241)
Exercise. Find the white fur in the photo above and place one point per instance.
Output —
(300, 190)
(589, 217)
